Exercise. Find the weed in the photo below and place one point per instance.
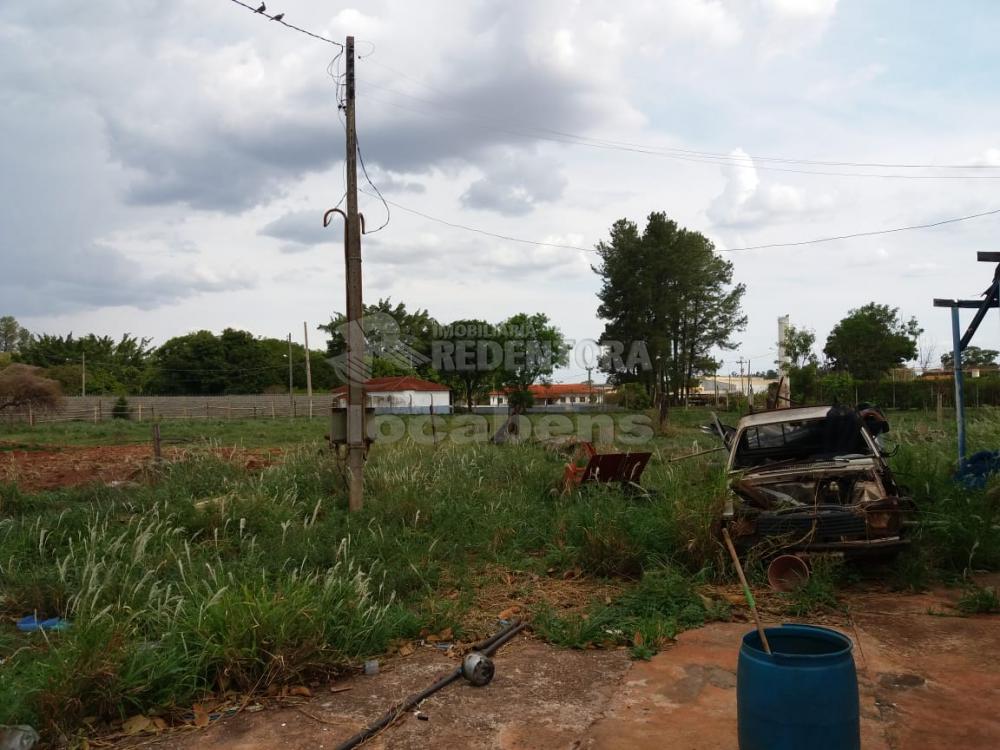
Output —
(209, 577)
(820, 591)
(979, 600)
(664, 603)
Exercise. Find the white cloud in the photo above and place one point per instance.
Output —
(515, 185)
(746, 202)
(793, 25)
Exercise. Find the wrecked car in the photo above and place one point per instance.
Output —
(813, 479)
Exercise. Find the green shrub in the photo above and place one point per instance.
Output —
(979, 600)
(121, 409)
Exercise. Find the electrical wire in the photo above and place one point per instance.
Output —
(286, 24)
(206, 370)
(485, 232)
(627, 145)
(333, 70)
(715, 160)
(364, 169)
(912, 227)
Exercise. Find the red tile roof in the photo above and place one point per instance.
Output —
(396, 383)
(555, 389)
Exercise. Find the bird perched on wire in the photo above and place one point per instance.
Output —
(261, 9)
(278, 17)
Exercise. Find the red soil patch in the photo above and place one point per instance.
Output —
(48, 469)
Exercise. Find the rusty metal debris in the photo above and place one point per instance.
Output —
(814, 479)
(587, 465)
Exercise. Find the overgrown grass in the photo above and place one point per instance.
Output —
(979, 600)
(661, 605)
(211, 578)
(820, 592)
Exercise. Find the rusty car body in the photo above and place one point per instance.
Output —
(813, 479)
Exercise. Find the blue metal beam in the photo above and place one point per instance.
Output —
(959, 399)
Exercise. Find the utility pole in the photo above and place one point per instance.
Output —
(291, 395)
(590, 385)
(83, 376)
(783, 397)
(355, 339)
(309, 376)
(740, 362)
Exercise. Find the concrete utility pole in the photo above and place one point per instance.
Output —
(784, 399)
(740, 361)
(355, 339)
(83, 376)
(309, 375)
(291, 394)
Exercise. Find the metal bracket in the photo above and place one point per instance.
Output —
(328, 217)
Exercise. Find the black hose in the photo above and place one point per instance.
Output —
(488, 647)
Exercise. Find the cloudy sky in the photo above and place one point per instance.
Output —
(165, 165)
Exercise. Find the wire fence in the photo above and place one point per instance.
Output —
(158, 408)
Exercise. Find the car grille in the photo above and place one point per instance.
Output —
(830, 526)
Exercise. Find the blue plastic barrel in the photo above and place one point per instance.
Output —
(803, 696)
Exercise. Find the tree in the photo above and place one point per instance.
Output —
(973, 356)
(668, 300)
(871, 341)
(632, 396)
(532, 349)
(23, 386)
(12, 335)
(112, 366)
(799, 344)
(235, 361)
(398, 341)
(466, 357)
(803, 365)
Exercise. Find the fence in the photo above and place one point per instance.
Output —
(914, 394)
(147, 408)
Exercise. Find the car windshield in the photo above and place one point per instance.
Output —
(798, 440)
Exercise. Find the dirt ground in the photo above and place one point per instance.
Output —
(48, 469)
(927, 680)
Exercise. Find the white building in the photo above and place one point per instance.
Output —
(402, 393)
(557, 394)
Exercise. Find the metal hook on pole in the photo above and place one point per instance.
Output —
(328, 217)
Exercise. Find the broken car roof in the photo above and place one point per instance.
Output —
(776, 416)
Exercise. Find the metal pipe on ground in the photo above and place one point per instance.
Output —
(487, 648)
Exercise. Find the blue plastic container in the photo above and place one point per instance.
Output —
(804, 696)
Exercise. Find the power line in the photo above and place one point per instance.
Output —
(866, 234)
(816, 241)
(231, 370)
(702, 157)
(485, 232)
(279, 17)
(364, 169)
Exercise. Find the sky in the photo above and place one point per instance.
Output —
(165, 166)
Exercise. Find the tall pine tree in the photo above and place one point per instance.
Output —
(668, 288)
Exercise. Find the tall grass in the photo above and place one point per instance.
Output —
(210, 578)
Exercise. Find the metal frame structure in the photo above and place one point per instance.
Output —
(960, 342)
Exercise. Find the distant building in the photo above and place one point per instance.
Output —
(402, 393)
(557, 394)
(732, 385)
